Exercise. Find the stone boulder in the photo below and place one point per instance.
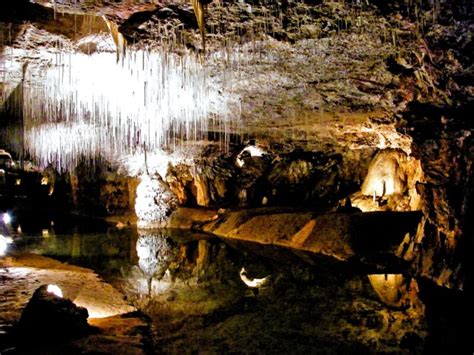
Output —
(50, 318)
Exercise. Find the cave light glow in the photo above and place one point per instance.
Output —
(4, 241)
(7, 218)
(55, 290)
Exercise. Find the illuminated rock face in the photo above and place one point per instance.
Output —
(390, 183)
(386, 175)
(154, 202)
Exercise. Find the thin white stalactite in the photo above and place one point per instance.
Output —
(89, 106)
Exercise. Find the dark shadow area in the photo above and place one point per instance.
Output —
(378, 232)
(448, 318)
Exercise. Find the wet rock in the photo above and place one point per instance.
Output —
(49, 318)
(338, 235)
(154, 203)
(188, 218)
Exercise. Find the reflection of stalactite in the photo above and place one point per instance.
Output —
(74, 187)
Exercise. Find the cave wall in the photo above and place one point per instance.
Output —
(437, 119)
(99, 190)
(440, 250)
(284, 175)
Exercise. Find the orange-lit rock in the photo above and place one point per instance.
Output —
(338, 235)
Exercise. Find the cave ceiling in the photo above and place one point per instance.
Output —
(323, 74)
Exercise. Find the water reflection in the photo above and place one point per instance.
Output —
(191, 287)
(389, 287)
(109, 252)
(155, 253)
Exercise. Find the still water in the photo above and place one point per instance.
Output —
(204, 294)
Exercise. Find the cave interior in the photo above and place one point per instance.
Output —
(251, 176)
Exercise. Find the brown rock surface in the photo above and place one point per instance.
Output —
(339, 235)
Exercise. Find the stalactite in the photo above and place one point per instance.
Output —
(117, 36)
(91, 106)
(199, 11)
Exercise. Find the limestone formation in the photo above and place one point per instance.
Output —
(154, 202)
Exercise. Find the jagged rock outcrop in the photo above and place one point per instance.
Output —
(439, 249)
